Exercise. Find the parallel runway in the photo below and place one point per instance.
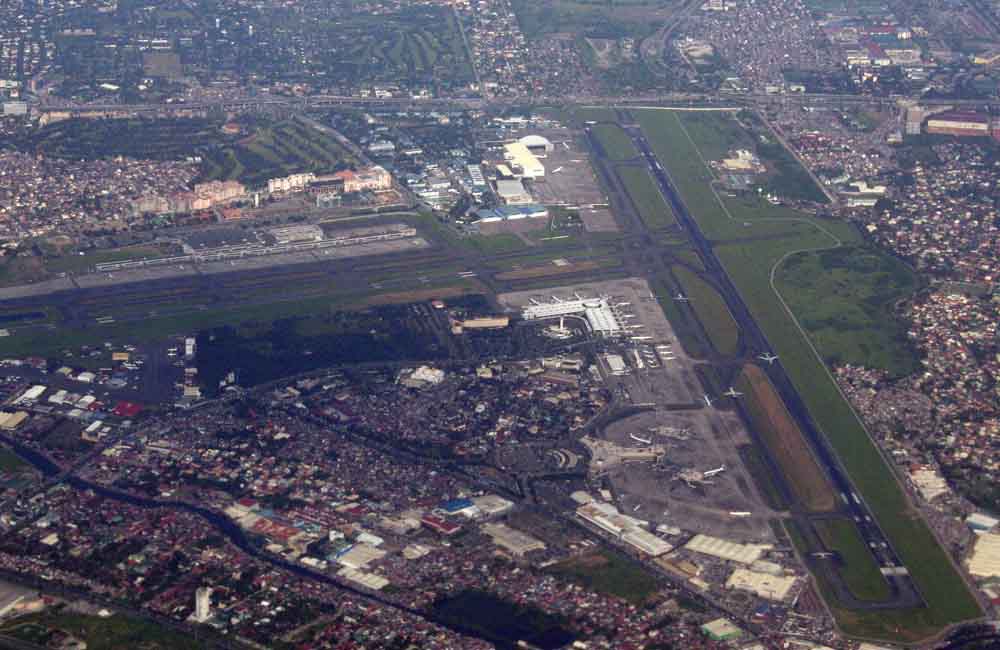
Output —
(904, 592)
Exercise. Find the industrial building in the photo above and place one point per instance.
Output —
(296, 234)
(518, 543)
(628, 529)
(985, 559)
(959, 123)
(647, 542)
(598, 312)
(523, 162)
(510, 218)
(538, 145)
(765, 585)
(10, 421)
(513, 192)
(726, 550)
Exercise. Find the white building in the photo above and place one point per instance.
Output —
(726, 550)
(765, 585)
(598, 313)
(525, 162)
(512, 192)
(203, 604)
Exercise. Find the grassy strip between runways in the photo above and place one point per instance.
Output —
(615, 142)
(711, 310)
(859, 570)
(646, 197)
(784, 441)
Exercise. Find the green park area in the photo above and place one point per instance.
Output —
(608, 573)
(751, 239)
(711, 310)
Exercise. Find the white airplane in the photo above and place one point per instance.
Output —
(712, 472)
(680, 297)
(708, 400)
(636, 508)
(732, 392)
(557, 170)
(557, 299)
(822, 555)
(640, 338)
(533, 301)
(768, 357)
(638, 439)
(565, 145)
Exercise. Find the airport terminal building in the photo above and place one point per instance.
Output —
(598, 312)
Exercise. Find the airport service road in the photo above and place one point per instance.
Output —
(903, 589)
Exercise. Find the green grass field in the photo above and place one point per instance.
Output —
(845, 299)
(711, 310)
(11, 462)
(615, 142)
(749, 264)
(608, 573)
(646, 197)
(74, 263)
(274, 150)
(113, 633)
(277, 303)
(861, 572)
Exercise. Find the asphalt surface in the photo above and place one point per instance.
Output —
(904, 592)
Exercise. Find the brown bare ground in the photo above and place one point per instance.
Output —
(785, 442)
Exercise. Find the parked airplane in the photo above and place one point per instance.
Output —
(712, 472)
(768, 357)
(638, 439)
(732, 392)
(557, 170)
(822, 555)
(680, 297)
(640, 338)
(708, 400)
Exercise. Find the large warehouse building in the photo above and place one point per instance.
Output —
(726, 550)
(598, 312)
(960, 123)
(526, 164)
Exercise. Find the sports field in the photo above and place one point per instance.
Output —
(749, 263)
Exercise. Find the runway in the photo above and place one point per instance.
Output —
(904, 591)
